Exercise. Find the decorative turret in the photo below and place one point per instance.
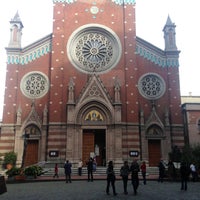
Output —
(16, 27)
(170, 35)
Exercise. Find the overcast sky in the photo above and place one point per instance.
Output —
(151, 16)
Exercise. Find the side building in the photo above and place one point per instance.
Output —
(191, 114)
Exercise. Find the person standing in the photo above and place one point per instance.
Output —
(143, 170)
(134, 175)
(124, 172)
(80, 165)
(110, 178)
(68, 171)
(193, 172)
(171, 171)
(90, 170)
(161, 168)
(184, 172)
(56, 171)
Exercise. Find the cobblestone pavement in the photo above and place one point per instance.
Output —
(83, 190)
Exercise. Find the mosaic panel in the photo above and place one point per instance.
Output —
(156, 58)
(27, 57)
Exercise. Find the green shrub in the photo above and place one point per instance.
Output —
(10, 158)
(14, 171)
(33, 171)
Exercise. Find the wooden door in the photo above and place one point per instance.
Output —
(31, 153)
(88, 146)
(154, 152)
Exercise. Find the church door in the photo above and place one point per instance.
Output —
(31, 153)
(154, 152)
(88, 146)
(94, 145)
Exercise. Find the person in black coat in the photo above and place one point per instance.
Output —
(161, 168)
(124, 172)
(184, 172)
(110, 178)
(68, 171)
(90, 169)
(134, 169)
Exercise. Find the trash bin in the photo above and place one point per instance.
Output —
(3, 187)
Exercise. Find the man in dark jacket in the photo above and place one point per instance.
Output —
(90, 169)
(134, 169)
(68, 171)
(184, 172)
(124, 172)
(161, 168)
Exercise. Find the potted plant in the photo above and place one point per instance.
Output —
(10, 159)
(33, 171)
(11, 173)
(15, 173)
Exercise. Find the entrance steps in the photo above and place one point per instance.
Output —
(100, 171)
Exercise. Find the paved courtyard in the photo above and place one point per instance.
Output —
(83, 190)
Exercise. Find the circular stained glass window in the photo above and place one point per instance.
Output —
(34, 85)
(151, 86)
(94, 49)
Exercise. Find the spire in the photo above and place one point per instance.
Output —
(16, 27)
(16, 18)
(170, 35)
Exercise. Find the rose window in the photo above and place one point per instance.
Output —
(94, 49)
(34, 85)
(151, 86)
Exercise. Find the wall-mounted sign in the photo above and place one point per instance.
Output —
(53, 153)
(133, 153)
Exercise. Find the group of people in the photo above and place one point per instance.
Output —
(124, 173)
(134, 169)
(185, 171)
(91, 167)
(68, 171)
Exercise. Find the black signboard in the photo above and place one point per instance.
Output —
(133, 153)
(53, 153)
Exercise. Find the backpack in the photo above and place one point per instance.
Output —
(124, 171)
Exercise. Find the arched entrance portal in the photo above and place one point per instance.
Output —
(154, 135)
(94, 145)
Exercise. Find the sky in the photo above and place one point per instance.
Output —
(151, 16)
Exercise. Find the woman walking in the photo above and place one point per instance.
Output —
(143, 170)
(56, 171)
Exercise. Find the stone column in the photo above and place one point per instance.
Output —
(118, 146)
(19, 145)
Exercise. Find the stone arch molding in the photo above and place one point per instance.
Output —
(154, 130)
(154, 126)
(93, 97)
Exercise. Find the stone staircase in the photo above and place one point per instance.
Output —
(48, 170)
(99, 171)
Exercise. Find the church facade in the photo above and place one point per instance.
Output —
(92, 88)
